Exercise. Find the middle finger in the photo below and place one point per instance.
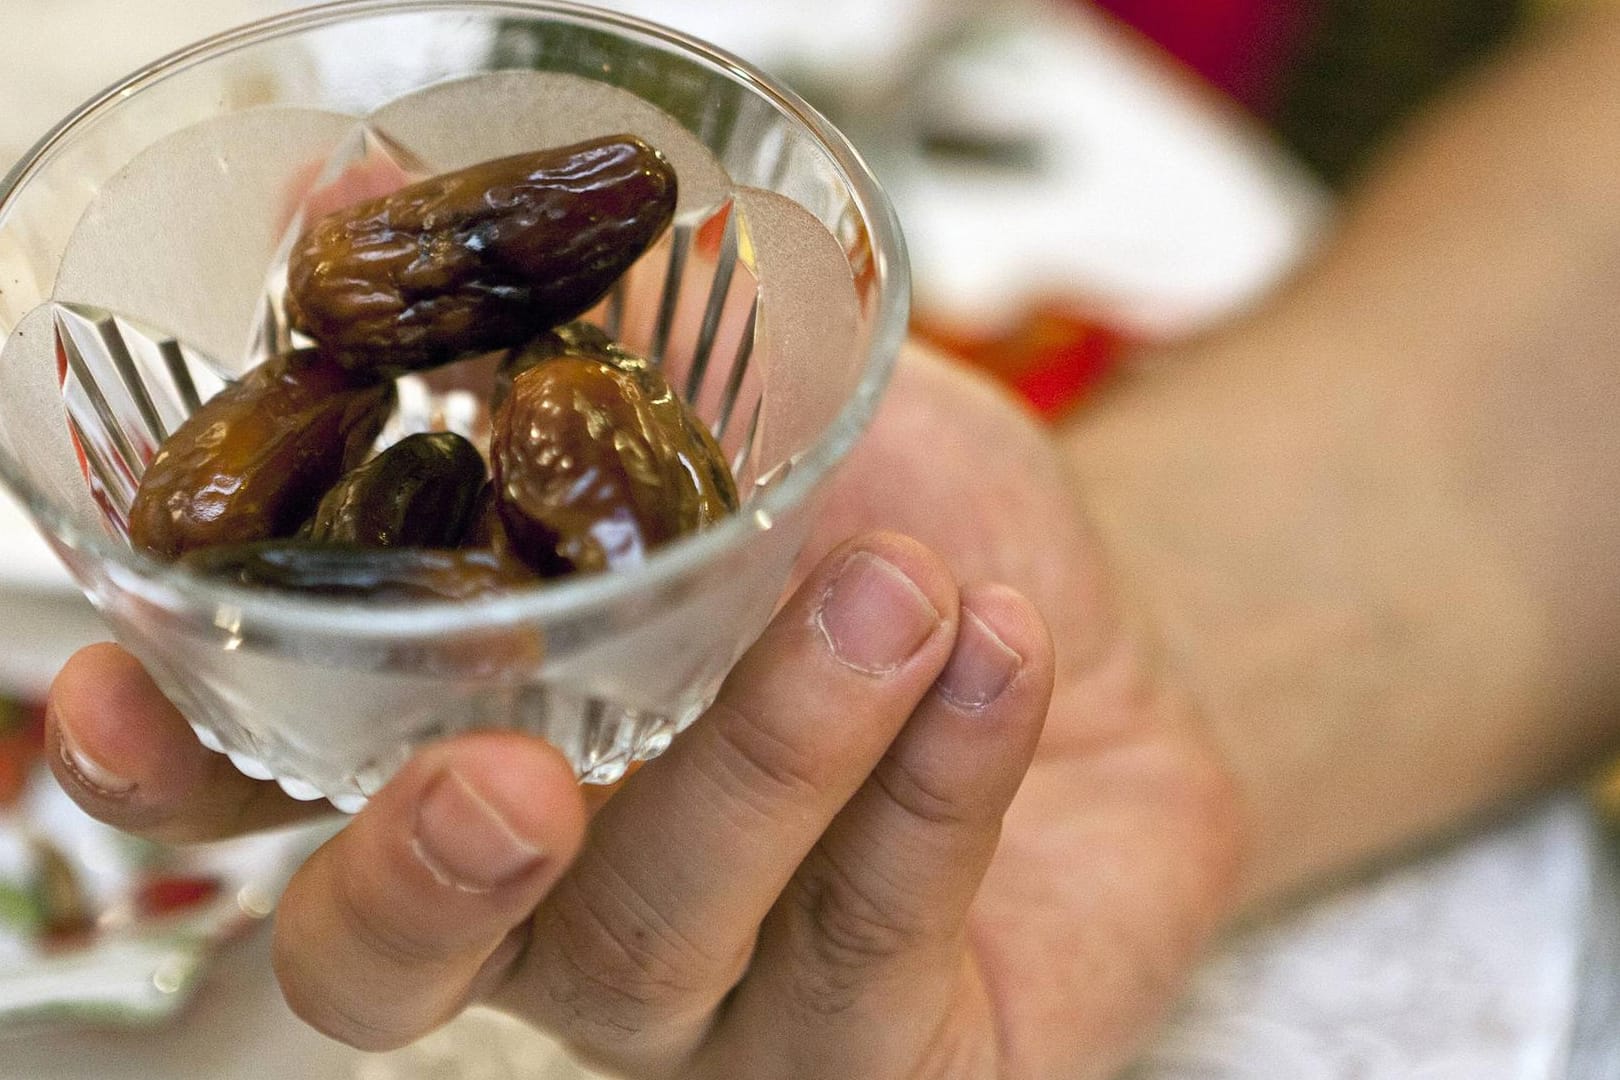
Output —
(654, 924)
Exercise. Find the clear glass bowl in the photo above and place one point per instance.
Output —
(328, 697)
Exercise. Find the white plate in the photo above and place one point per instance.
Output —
(1151, 200)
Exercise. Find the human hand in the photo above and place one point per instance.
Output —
(810, 882)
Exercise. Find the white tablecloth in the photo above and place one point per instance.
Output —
(1463, 965)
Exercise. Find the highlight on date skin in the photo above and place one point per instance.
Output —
(593, 460)
(479, 259)
(255, 460)
(597, 462)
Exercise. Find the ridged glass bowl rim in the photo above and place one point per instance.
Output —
(569, 597)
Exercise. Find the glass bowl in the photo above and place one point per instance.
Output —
(141, 246)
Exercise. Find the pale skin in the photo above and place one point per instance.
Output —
(1327, 584)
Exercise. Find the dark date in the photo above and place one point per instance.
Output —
(479, 259)
(254, 461)
(487, 532)
(423, 491)
(349, 571)
(597, 462)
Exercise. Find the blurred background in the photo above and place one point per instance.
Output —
(1075, 178)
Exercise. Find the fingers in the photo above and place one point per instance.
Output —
(860, 967)
(127, 756)
(654, 924)
(409, 913)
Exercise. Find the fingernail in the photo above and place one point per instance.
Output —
(465, 842)
(980, 668)
(87, 771)
(874, 617)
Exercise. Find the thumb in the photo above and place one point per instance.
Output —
(397, 923)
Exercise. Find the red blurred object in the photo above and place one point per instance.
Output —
(712, 232)
(171, 895)
(1055, 353)
(1051, 357)
(1240, 46)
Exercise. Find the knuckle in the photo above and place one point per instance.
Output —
(842, 936)
(761, 764)
(614, 975)
(920, 796)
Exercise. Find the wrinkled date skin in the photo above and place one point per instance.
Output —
(574, 339)
(254, 461)
(479, 259)
(598, 462)
(349, 571)
(582, 339)
(423, 491)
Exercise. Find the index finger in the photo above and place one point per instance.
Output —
(124, 753)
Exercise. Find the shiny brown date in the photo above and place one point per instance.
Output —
(479, 259)
(596, 463)
(352, 572)
(254, 461)
(582, 339)
(574, 339)
(421, 492)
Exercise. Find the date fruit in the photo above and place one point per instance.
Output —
(480, 259)
(421, 492)
(597, 462)
(582, 339)
(574, 339)
(487, 532)
(254, 461)
(349, 571)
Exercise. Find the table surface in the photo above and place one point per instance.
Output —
(1469, 961)
(1455, 967)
